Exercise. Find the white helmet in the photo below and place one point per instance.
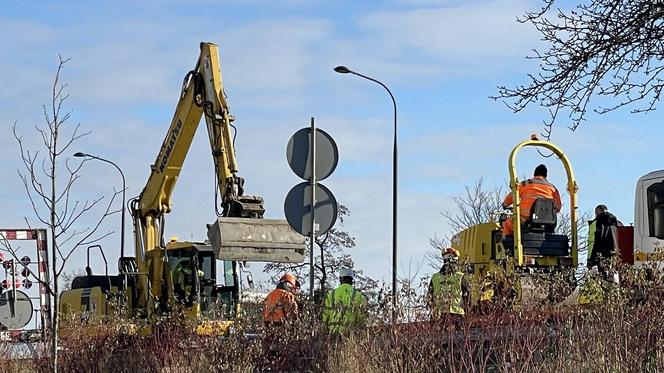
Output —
(346, 272)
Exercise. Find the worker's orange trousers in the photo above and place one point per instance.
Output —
(508, 226)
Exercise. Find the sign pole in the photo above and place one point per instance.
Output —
(313, 210)
(12, 305)
(313, 155)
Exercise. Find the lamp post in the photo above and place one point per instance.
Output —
(124, 189)
(345, 70)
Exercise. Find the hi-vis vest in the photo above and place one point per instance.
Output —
(344, 308)
(591, 292)
(532, 189)
(447, 294)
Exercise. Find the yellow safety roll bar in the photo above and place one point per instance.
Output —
(514, 186)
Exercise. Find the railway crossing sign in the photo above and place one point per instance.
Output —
(24, 284)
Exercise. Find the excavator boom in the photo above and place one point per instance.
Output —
(239, 233)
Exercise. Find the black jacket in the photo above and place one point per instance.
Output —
(606, 239)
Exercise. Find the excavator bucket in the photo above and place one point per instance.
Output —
(255, 240)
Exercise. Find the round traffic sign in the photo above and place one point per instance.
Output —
(15, 313)
(297, 208)
(298, 153)
(25, 260)
(7, 284)
(26, 283)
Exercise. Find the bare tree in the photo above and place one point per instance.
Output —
(477, 205)
(49, 183)
(474, 207)
(413, 288)
(329, 260)
(607, 48)
(67, 277)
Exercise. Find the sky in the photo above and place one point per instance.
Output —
(441, 59)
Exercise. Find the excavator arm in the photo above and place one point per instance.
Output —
(202, 94)
(240, 233)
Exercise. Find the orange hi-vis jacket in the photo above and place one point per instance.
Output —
(532, 189)
(280, 305)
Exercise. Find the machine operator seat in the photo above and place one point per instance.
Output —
(537, 236)
(542, 217)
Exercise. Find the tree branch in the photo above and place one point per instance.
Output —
(610, 50)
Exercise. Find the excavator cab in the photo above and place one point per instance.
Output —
(200, 280)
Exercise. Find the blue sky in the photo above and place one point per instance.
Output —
(442, 59)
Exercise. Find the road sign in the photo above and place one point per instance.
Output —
(25, 260)
(313, 155)
(7, 284)
(15, 313)
(298, 209)
(298, 153)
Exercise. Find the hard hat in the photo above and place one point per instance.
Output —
(289, 278)
(346, 272)
(451, 254)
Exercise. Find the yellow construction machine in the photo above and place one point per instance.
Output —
(199, 280)
(503, 268)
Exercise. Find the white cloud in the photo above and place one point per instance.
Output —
(473, 34)
(276, 55)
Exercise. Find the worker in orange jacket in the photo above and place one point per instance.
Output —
(280, 308)
(529, 191)
(281, 304)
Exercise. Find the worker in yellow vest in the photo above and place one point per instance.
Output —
(448, 290)
(345, 306)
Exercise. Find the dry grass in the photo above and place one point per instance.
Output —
(623, 334)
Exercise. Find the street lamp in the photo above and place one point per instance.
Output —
(345, 70)
(124, 189)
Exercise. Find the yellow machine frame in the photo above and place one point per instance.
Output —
(155, 199)
(480, 246)
(202, 94)
(572, 189)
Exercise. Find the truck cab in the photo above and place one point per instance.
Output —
(648, 229)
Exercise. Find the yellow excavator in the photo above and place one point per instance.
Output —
(503, 268)
(198, 279)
